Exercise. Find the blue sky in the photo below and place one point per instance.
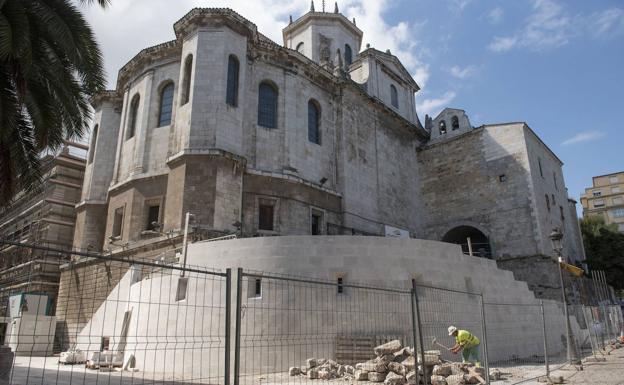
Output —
(557, 65)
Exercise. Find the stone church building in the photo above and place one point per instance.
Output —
(318, 135)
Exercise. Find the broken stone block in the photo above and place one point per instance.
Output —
(349, 369)
(395, 379)
(388, 348)
(303, 369)
(312, 362)
(376, 376)
(409, 363)
(331, 364)
(324, 374)
(455, 379)
(401, 355)
(432, 357)
(411, 377)
(360, 375)
(443, 370)
(294, 371)
(313, 373)
(456, 368)
(495, 375)
(341, 371)
(381, 367)
(476, 375)
(385, 358)
(368, 366)
(438, 380)
(397, 368)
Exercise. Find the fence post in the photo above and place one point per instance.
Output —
(485, 349)
(239, 285)
(417, 324)
(228, 323)
(545, 336)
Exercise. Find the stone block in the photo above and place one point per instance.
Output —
(376, 376)
(438, 380)
(411, 377)
(397, 368)
(325, 374)
(395, 379)
(409, 363)
(455, 379)
(388, 348)
(495, 375)
(313, 373)
(361, 375)
(294, 371)
(444, 370)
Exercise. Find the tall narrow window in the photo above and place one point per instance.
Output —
(339, 286)
(555, 181)
(166, 105)
(442, 126)
(132, 118)
(314, 115)
(316, 223)
(547, 203)
(394, 96)
(118, 222)
(539, 164)
(231, 96)
(94, 134)
(267, 105)
(455, 122)
(153, 217)
(348, 55)
(561, 213)
(265, 217)
(186, 80)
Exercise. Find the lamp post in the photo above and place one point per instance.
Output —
(555, 237)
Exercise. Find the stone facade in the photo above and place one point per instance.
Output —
(372, 167)
(606, 199)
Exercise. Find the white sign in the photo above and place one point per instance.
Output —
(395, 232)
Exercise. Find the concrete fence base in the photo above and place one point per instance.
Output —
(6, 363)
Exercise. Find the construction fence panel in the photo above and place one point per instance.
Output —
(287, 327)
(125, 322)
(516, 335)
(441, 308)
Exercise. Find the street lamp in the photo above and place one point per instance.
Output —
(555, 237)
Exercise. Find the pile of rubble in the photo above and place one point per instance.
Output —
(394, 365)
(453, 373)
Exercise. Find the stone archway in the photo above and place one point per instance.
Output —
(479, 242)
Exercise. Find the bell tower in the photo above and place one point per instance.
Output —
(319, 35)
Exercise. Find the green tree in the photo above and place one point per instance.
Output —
(604, 247)
(50, 64)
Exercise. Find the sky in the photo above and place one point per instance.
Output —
(556, 65)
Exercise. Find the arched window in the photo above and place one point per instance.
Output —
(231, 96)
(394, 97)
(314, 120)
(166, 105)
(547, 203)
(132, 117)
(455, 122)
(267, 105)
(186, 80)
(348, 55)
(300, 48)
(442, 126)
(94, 134)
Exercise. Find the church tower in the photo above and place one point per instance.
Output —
(319, 35)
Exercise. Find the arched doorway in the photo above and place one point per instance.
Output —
(462, 235)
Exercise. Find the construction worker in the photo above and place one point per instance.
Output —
(467, 343)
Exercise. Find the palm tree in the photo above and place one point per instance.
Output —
(50, 64)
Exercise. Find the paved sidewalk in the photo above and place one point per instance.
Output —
(610, 372)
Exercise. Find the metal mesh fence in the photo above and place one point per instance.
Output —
(286, 324)
(124, 322)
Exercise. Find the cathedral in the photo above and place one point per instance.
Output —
(225, 132)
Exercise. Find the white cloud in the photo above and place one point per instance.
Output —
(458, 6)
(463, 73)
(548, 26)
(432, 107)
(128, 26)
(609, 22)
(495, 15)
(502, 44)
(582, 137)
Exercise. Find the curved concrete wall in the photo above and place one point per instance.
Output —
(291, 321)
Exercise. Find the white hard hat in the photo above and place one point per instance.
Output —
(451, 330)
